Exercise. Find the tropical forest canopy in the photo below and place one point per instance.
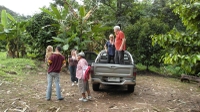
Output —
(158, 32)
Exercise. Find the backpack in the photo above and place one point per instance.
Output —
(86, 73)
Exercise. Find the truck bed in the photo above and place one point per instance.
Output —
(114, 70)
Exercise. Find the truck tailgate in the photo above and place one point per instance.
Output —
(102, 69)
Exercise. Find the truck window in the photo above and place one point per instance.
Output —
(127, 60)
(93, 56)
(103, 58)
(87, 56)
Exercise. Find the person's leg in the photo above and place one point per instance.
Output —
(87, 88)
(116, 57)
(71, 73)
(82, 90)
(121, 57)
(109, 57)
(75, 74)
(83, 95)
(81, 87)
(113, 58)
(49, 86)
(75, 80)
(57, 83)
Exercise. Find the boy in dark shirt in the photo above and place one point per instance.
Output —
(56, 63)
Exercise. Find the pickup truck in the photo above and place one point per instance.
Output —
(113, 74)
(90, 57)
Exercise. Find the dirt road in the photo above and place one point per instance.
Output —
(152, 94)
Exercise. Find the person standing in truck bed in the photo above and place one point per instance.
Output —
(110, 48)
(119, 45)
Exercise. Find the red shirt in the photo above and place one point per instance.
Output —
(56, 61)
(118, 40)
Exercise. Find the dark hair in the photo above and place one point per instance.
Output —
(59, 48)
(120, 26)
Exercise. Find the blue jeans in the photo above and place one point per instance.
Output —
(72, 70)
(56, 77)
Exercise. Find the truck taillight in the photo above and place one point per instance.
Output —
(134, 74)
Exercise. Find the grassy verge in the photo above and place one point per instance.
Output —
(165, 70)
(12, 69)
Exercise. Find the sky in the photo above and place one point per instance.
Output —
(25, 7)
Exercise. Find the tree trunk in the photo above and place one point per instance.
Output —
(17, 47)
(147, 69)
(12, 49)
(118, 13)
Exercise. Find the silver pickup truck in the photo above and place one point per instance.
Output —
(113, 74)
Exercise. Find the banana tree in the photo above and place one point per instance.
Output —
(11, 31)
(76, 31)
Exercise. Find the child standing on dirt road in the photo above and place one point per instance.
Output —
(83, 84)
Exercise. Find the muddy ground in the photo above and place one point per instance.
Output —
(153, 93)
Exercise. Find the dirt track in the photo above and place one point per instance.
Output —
(152, 94)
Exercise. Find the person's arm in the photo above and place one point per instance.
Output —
(123, 41)
(68, 58)
(105, 46)
(76, 55)
(50, 60)
(45, 59)
(64, 64)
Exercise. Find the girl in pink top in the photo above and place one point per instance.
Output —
(83, 84)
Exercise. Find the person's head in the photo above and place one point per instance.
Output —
(81, 55)
(58, 49)
(73, 52)
(116, 28)
(111, 37)
(49, 49)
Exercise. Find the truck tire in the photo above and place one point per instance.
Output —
(131, 88)
(95, 87)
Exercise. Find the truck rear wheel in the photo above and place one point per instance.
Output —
(131, 88)
(95, 87)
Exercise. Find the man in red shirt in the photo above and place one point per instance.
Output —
(119, 45)
(56, 63)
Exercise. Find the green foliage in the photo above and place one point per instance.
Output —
(2, 38)
(12, 32)
(112, 12)
(75, 31)
(41, 28)
(189, 14)
(139, 40)
(11, 69)
(183, 48)
(162, 10)
(4, 20)
(168, 70)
